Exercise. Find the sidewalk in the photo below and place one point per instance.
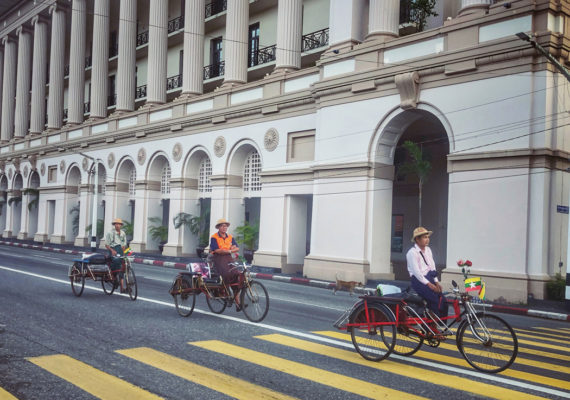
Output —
(548, 309)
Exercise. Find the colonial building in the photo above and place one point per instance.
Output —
(292, 115)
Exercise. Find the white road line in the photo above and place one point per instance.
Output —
(453, 369)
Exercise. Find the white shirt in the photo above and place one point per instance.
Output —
(417, 266)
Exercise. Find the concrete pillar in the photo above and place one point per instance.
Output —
(41, 234)
(100, 69)
(1, 79)
(24, 218)
(126, 70)
(76, 97)
(346, 23)
(236, 42)
(383, 19)
(289, 34)
(85, 207)
(175, 236)
(8, 233)
(140, 232)
(39, 68)
(272, 230)
(474, 6)
(56, 67)
(157, 51)
(23, 82)
(60, 218)
(8, 89)
(193, 63)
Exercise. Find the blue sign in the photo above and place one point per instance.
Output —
(562, 209)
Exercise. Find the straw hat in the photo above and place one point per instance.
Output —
(117, 221)
(222, 221)
(420, 231)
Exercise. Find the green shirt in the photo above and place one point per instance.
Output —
(113, 238)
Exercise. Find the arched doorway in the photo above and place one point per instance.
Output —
(158, 202)
(125, 195)
(72, 205)
(33, 203)
(15, 202)
(3, 202)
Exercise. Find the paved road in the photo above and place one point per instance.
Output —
(56, 346)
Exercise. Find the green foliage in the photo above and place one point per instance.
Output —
(128, 228)
(100, 228)
(420, 10)
(32, 202)
(247, 235)
(556, 287)
(158, 231)
(74, 213)
(198, 225)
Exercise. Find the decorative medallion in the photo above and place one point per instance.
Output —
(26, 171)
(84, 164)
(271, 139)
(62, 166)
(141, 156)
(111, 160)
(16, 163)
(10, 174)
(43, 169)
(220, 146)
(177, 152)
(33, 162)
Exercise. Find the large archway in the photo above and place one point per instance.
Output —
(72, 205)
(158, 201)
(16, 204)
(125, 192)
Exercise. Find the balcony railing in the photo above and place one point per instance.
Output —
(314, 40)
(113, 50)
(88, 61)
(176, 24)
(66, 70)
(65, 114)
(142, 38)
(86, 107)
(215, 7)
(174, 82)
(140, 92)
(111, 100)
(262, 56)
(214, 70)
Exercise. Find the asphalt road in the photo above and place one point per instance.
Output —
(54, 345)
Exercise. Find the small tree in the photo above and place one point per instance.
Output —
(418, 166)
(196, 225)
(247, 235)
(420, 10)
(129, 229)
(158, 232)
(100, 228)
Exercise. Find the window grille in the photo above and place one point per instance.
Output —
(165, 180)
(204, 183)
(102, 182)
(251, 170)
(132, 179)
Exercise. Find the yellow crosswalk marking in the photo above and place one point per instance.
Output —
(555, 330)
(520, 333)
(226, 384)
(559, 383)
(442, 379)
(93, 381)
(4, 395)
(303, 371)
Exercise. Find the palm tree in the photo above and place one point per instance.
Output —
(418, 166)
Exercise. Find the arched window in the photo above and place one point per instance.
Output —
(103, 181)
(132, 180)
(165, 180)
(204, 183)
(251, 170)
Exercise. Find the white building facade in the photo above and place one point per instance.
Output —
(291, 114)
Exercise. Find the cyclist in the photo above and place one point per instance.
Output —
(116, 242)
(223, 246)
(423, 274)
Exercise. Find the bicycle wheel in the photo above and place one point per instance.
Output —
(108, 283)
(407, 341)
(254, 301)
(131, 281)
(489, 345)
(216, 300)
(184, 298)
(77, 278)
(374, 342)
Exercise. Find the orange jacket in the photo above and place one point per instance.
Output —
(219, 242)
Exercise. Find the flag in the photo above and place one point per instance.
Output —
(482, 291)
(128, 252)
(472, 284)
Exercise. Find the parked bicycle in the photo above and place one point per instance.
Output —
(380, 325)
(202, 278)
(96, 266)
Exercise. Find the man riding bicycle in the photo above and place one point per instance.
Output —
(116, 242)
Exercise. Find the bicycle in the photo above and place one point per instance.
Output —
(97, 267)
(254, 299)
(381, 325)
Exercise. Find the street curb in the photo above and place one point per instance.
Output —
(306, 282)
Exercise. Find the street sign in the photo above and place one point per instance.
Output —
(562, 209)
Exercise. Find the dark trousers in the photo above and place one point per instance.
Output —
(436, 301)
(116, 262)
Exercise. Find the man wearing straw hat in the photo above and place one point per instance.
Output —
(116, 242)
(223, 246)
(423, 274)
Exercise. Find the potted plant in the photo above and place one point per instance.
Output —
(198, 226)
(158, 232)
(129, 230)
(418, 166)
(247, 235)
(100, 228)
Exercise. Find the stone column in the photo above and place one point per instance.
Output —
(9, 88)
(23, 82)
(24, 218)
(85, 209)
(175, 236)
(56, 67)
(76, 91)
(41, 234)
(236, 43)
(126, 70)
(157, 52)
(1, 78)
(474, 6)
(39, 68)
(139, 244)
(289, 34)
(383, 19)
(346, 23)
(100, 70)
(193, 67)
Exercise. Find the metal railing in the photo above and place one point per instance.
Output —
(140, 92)
(314, 40)
(65, 114)
(111, 100)
(174, 82)
(176, 24)
(142, 38)
(214, 70)
(113, 50)
(86, 107)
(262, 56)
(88, 61)
(215, 7)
